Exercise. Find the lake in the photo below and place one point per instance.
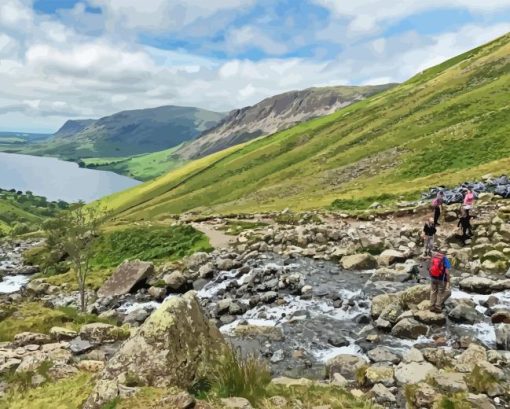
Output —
(57, 179)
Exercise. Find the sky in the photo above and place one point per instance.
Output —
(72, 59)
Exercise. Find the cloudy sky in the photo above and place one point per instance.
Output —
(63, 59)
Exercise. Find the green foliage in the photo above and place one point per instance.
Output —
(64, 394)
(235, 375)
(147, 243)
(480, 381)
(35, 317)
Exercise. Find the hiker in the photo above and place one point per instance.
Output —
(469, 200)
(439, 281)
(429, 231)
(465, 224)
(437, 204)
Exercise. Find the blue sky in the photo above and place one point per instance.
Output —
(63, 59)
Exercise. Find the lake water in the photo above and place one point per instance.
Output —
(57, 179)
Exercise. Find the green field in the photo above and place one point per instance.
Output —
(140, 167)
(445, 125)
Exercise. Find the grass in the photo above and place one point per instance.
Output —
(141, 167)
(68, 393)
(235, 227)
(35, 317)
(443, 126)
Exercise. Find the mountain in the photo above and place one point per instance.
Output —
(73, 126)
(274, 114)
(448, 124)
(128, 133)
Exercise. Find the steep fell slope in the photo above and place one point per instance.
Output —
(445, 125)
(274, 114)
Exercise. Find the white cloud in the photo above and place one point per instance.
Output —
(246, 37)
(51, 71)
(366, 15)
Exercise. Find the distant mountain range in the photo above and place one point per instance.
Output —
(274, 114)
(127, 133)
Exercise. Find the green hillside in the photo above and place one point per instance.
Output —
(445, 125)
(141, 167)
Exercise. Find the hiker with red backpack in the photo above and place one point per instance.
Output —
(439, 281)
(437, 204)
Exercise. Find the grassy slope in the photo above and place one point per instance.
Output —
(141, 167)
(446, 124)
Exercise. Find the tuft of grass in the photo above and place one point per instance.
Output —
(235, 375)
(480, 381)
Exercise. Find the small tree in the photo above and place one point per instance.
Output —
(74, 232)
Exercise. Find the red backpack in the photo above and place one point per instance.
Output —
(437, 267)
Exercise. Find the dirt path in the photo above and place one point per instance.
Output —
(217, 238)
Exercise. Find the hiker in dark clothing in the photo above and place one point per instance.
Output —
(437, 204)
(429, 231)
(465, 223)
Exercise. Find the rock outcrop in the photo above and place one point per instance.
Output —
(127, 275)
(172, 348)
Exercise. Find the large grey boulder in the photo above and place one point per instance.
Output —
(346, 365)
(173, 347)
(127, 275)
(389, 257)
(409, 328)
(413, 372)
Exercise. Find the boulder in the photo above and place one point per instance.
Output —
(346, 365)
(34, 338)
(379, 374)
(479, 285)
(503, 336)
(195, 261)
(236, 403)
(362, 261)
(501, 317)
(127, 276)
(175, 280)
(382, 395)
(430, 318)
(389, 257)
(424, 395)
(450, 382)
(157, 293)
(413, 296)
(479, 401)
(154, 355)
(99, 333)
(383, 354)
(409, 328)
(465, 314)
(466, 361)
(392, 312)
(88, 365)
(413, 372)
(380, 302)
(62, 334)
(182, 400)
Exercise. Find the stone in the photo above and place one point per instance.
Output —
(175, 280)
(270, 332)
(413, 372)
(346, 365)
(157, 293)
(390, 257)
(392, 312)
(236, 403)
(450, 382)
(479, 401)
(125, 278)
(291, 382)
(424, 395)
(338, 341)
(465, 314)
(224, 264)
(381, 394)
(501, 317)
(80, 346)
(380, 302)
(9, 364)
(196, 260)
(156, 358)
(430, 318)
(99, 333)
(466, 361)
(413, 296)
(480, 285)
(206, 271)
(413, 355)
(339, 380)
(278, 401)
(409, 328)
(362, 261)
(62, 334)
(379, 374)
(26, 338)
(383, 354)
(90, 366)
(62, 371)
(182, 400)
